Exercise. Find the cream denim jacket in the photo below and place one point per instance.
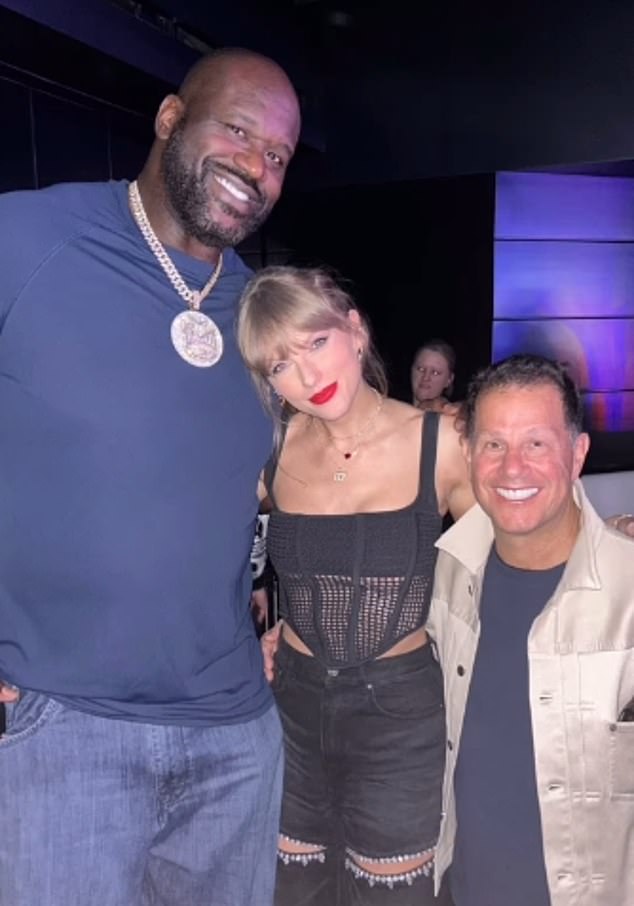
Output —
(581, 676)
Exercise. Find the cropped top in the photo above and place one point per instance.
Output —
(352, 585)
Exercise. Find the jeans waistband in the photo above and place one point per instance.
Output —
(303, 665)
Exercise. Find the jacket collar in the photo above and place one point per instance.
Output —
(469, 541)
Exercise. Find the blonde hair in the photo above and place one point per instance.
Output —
(280, 301)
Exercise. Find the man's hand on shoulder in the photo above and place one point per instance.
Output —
(623, 523)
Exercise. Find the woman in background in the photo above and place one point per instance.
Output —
(432, 377)
(358, 488)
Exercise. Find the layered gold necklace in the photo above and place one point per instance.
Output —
(195, 336)
(357, 440)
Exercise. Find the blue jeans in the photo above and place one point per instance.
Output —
(99, 812)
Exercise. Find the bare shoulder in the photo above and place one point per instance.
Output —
(401, 423)
(399, 409)
(407, 421)
(451, 428)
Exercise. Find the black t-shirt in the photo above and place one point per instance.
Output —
(498, 859)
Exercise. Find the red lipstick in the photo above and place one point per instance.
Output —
(324, 395)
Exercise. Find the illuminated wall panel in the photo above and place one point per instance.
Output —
(564, 283)
(564, 279)
(589, 347)
(556, 206)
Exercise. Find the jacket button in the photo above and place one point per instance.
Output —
(450, 745)
(470, 589)
(460, 670)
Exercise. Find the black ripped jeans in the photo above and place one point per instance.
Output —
(365, 752)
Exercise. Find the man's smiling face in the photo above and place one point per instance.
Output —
(523, 458)
(225, 159)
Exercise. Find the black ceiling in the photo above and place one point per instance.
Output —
(395, 90)
(351, 37)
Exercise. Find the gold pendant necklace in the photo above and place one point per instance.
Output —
(195, 336)
(341, 474)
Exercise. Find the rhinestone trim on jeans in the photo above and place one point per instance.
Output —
(387, 860)
(301, 858)
(287, 858)
(390, 881)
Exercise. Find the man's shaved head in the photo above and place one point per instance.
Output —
(212, 72)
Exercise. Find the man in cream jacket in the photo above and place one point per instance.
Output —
(533, 618)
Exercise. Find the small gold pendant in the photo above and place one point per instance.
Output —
(339, 475)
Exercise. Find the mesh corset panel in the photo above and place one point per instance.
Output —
(351, 586)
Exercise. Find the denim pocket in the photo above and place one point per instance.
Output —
(26, 716)
(410, 696)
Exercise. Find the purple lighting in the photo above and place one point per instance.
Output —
(588, 348)
(564, 279)
(557, 206)
(564, 283)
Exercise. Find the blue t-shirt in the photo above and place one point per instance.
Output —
(127, 476)
(498, 856)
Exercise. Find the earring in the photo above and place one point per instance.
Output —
(359, 353)
(279, 397)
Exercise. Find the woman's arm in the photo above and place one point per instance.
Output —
(453, 485)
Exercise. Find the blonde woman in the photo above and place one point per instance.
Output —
(358, 488)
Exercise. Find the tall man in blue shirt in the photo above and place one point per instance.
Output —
(142, 756)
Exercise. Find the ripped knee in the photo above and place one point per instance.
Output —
(391, 871)
(291, 851)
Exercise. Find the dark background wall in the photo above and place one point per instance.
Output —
(70, 112)
(453, 88)
(418, 256)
